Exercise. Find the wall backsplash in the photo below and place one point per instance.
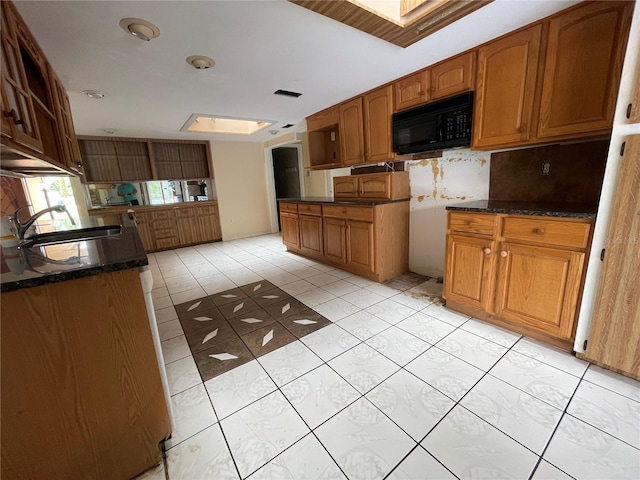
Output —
(573, 173)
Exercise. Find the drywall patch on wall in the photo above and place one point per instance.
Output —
(458, 176)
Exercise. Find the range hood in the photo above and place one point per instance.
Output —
(14, 163)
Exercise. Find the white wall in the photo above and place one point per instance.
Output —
(241, 185)
(459, 176)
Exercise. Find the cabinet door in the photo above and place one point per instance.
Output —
(345, 187)
(375, 186)
(311, 239)
(352, 132)
(378, 108)
(469, 271)
(66, 131)
(194, 160)
(633, 109)
(167, 161)
(453, 76)
(505, 88)
(188, 226)
(539, 287)
(412, 90)
(100, 161)
(584, 59)
(290, 227)
(335, 246)
(18, 108)
(143, 222)
(614, 335)
(360, 248)
(133, 160)
(208, 223)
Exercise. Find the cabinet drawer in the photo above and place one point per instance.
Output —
(164, 233)
(166, 242)
(544, 230)
(209, 210)
(364, 214)
(310, 208)
(288, 207)
(156, 224)
(162, 215)
(185, 212)
(482, 223)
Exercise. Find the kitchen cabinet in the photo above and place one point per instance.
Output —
(36, 119)
(133, 160)
(115, 160)
(181, 160)
(378, 109)
(81, 390)
(505, 88)
(584, 56)
(372, 186)
(368, 240)
(208, 220)
(524, 273)
(188, 230)
(455, 75)
(165, 229)
(412, 90)
(633, 109)
(143, 223)
(614, 335)
(352, 132)
(324, 139)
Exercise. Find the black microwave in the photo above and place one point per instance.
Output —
(436, 125)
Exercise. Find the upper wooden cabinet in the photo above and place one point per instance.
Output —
(36, 117)
(378, 109)
(507, 69)
(458, 74)
(412, 90)
(584, 57)
(175, 161)
(352, 132)
(324, 138)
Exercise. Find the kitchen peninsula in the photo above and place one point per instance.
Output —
(81, 390)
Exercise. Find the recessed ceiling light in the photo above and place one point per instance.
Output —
(140, 28)
(94, 94)
(200, 62)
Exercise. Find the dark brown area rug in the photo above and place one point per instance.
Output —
(233, 327)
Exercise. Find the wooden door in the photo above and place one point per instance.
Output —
(378, 108)
(453, 76)
(18, 108)
(143, 222)
(505, 88)
(469, 271)
(311, 239)
(352, 132)
(360, 247)
(539, 287)
(375, 186)
(335, 246)
(412, 90)
(345, 187)
(290, 227)
(614, 335)
(582, 70)
(133, 160)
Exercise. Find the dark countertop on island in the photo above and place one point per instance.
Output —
(341, 201)
(74, 259)
(568, 210)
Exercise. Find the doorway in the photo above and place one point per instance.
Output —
(286, 173)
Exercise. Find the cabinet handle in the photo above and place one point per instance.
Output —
(629, 110)
(503, 254)
(538, 231)
(487, 251)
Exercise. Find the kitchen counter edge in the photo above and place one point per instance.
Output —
(565, 210)
(341, 201)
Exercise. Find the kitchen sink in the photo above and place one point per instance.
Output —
(76, 235)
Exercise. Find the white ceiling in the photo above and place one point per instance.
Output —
(258, 46)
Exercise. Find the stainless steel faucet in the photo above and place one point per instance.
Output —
(23, 227)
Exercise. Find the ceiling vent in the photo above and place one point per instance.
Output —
(288, 125)
(287, 93)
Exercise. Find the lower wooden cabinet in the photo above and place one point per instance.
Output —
(368, 240)
(521, 272)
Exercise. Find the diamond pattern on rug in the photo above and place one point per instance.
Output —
(230, 328)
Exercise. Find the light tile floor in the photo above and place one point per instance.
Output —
(397, 387)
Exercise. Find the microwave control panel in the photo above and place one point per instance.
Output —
(456, 125)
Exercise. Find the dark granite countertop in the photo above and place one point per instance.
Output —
(42, 265)
(570, 210)
(342, 201)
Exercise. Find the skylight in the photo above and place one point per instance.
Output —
(200, 123)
